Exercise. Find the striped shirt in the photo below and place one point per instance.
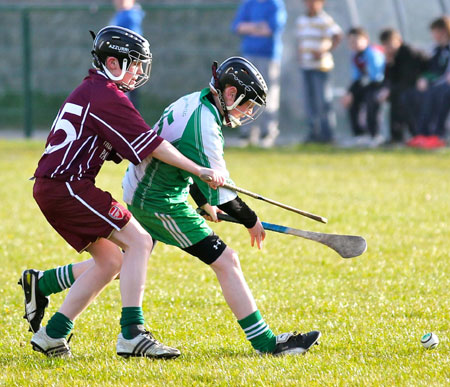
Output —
(316, 33)
(96, 122)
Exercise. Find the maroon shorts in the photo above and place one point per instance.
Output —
(79, 211)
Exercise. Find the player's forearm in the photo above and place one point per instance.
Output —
(167, 153)
(254, 29)
(239, 210)
(197, 195)
(335, 40)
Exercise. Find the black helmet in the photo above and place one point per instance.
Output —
(128, 47)
(242, 74)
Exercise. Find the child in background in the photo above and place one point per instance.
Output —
(317, 36)
(403, 68)
(368, 64)
(431, 88)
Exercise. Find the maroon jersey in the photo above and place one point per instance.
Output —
(97, 119)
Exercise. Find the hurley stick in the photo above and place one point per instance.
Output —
(347, 246)
(267, 200)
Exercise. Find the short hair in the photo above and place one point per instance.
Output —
(441, 23)
(358, 31)
(388, 34)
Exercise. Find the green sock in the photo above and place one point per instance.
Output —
(59, 326)
(131, 315)
(258, 332)
(56, 280)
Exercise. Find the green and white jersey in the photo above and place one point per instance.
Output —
(193, 125)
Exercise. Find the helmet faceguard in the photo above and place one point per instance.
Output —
(250, 85)
(248, 113)
(130, 49)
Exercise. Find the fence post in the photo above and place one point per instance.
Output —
(26, 69)
(401, 17)
(444, 6)
(353, 13)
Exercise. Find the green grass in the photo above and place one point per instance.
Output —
(372, 310)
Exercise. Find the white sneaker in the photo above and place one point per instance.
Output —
(49, 346)
(377, 141)
(144, 345)
(363, 140)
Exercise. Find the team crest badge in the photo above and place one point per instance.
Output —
(116, 212)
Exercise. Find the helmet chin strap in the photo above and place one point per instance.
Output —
(236, 103)
(220, 97)
(111, 76)
(234, 122)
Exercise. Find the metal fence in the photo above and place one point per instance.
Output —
(49, 53)
(45, 50)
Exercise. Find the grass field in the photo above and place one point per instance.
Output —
(372, 310)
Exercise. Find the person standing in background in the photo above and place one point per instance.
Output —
(260, 24)
(129, 15)
(317, 36)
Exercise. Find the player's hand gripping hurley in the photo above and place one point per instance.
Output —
(274, 202)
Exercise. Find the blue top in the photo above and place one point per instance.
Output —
(129, 18)
(368, 64)
(273, 13)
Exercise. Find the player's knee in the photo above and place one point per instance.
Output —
(116, 264)
(234, 260)
(229, 260)
(147, 243)
(143, 242)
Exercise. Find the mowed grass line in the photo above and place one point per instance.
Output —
(372, 310)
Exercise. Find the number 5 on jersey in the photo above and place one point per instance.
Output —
(61, 123)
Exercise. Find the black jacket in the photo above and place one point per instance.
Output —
(408, 65)
(438, 63)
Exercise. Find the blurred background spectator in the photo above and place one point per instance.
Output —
(186, 36)
(431, 88)
(404, 66)
(317, 35)
(367, 73)
(260, 24)
(129, 14)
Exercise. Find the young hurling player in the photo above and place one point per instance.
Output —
(97, 123)
(156, 194)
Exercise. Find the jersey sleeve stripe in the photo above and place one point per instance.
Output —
(90, 208)
(146, 141)
(152, 142)
(138, 138)
(118, 134)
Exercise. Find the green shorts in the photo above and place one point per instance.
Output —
(179, 225)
